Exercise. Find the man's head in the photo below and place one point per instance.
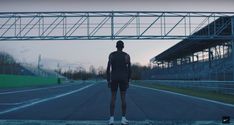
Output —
(119, 45)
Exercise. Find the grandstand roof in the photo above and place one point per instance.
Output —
(189, 46)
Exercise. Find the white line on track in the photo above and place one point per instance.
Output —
(44, 100)
(36, 89)
(199, 98)
(20, 103)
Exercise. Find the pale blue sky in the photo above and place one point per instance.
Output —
(86, 53)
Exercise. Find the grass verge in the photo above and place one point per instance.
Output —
(212, 95)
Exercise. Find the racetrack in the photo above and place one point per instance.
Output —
(90, 101)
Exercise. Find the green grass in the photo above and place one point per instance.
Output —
(8, 81)
(212, 95)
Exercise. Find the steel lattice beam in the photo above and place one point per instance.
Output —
(112, 25)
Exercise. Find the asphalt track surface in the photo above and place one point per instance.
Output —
(90, 101)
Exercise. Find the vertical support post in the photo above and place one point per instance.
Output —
(164, 24)
(202, 55)
(161, 26)
(20, 25)
(223, 49)
(232, 24)
(230, 49)
(43, 26)
(15, 26)
(219, 52)
(39, 25)
(138, 25)
(209, 57)
(112, 25)
(214, 26)
(64, 32)
(193, 57)
(208, 32)
(193, 72)
(190, 24)
(185, 27)
(88, 25)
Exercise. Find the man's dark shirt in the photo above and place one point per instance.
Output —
(119, 67)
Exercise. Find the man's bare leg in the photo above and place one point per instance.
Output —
(123, 100)
(112, 107)
(124, 121)
(112, 103)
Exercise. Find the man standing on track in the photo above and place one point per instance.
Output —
(118, 76)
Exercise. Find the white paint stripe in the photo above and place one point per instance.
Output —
(44, 100)
(19, 103)
(199, 98)
(29, 90)
(101, 122)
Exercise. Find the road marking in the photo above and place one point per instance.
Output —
(19, 103)
(199, 98)
(101, 122)
(44, 100)
(29, 90)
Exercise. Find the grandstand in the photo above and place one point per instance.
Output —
(8, 65)
(193, 59)
(38, 71)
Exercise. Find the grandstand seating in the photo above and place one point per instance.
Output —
(9, 66)
(217, 65)
(219, 70)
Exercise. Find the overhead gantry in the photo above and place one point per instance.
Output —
(111, 25)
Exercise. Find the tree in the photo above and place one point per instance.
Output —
(92, 69)
(138, 71)
(101, 72)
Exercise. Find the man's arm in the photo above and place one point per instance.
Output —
(129, 68)
(108, 72)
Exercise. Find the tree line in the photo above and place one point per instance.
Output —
(100, 72)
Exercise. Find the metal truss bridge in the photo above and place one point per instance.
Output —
(112, 25)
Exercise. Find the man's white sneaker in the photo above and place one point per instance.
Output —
(124, 121)
(111, 121)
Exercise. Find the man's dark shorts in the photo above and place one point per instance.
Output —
(122, 85)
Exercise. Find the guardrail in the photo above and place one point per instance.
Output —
(226, 87)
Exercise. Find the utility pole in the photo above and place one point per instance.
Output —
(39, 61)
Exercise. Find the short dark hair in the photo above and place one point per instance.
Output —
(120, 44)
